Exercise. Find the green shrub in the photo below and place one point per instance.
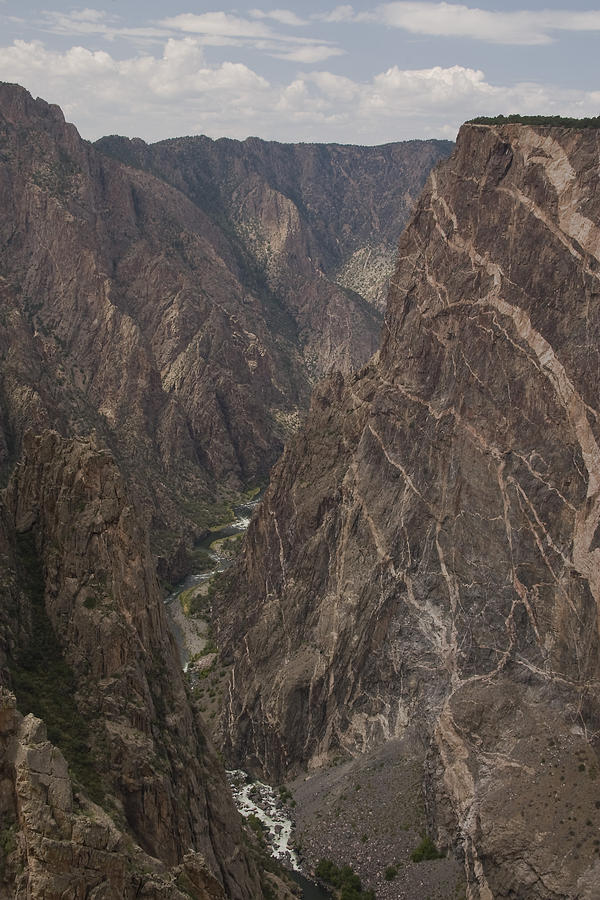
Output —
(426, 850)
(350, 879)
(8, 844)
(268, 890)
(390, 873)
(344, 878)
(326, 870)
(350, 893)
(286, 795)
(255, 824)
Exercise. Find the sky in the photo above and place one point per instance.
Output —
(360, 74)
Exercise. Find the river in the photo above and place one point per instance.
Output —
(192, 635)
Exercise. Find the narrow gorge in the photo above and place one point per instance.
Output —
(396, 667)
(164, 313)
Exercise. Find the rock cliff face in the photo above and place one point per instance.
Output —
(125, 317)
(150, 353)
(153, 347)
(55, 844)
(318, 224)
(86, 645)
(427, 551)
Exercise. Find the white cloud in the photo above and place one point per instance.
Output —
(87, 15)
(217, 23)
(527, 27)
(178, 92)
(433, 87)
(94, 21)
(221, 28)
(102, 94)
(339, 14)
(214, 29)
(310, 53)
(423, 17)
(336, 87)
(283, 16)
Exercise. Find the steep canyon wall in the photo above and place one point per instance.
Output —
(427, 551)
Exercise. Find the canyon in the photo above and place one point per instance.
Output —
(425, 560)
(165, 311)
(183, 316)
(409, 636)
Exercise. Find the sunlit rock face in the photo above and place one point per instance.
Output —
(427, 551)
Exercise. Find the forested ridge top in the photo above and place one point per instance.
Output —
(554, 121)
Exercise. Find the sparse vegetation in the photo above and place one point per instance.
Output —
(255, 824)
(57, 176)
(8, 844)
(426, 850)
(553, 121)
(286, 795)
(44, 683)
(344, 879)
(196, 601)
(206, 514)
(200, 559)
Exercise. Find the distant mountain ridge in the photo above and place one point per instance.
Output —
(308, 218)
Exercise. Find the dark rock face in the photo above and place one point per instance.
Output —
(121, 301)
(147, 354)
(426, 552)
(66, 846)
(152, 766)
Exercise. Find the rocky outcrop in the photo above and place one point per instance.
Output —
(426, 552)
(55, 844)
(86, 645)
